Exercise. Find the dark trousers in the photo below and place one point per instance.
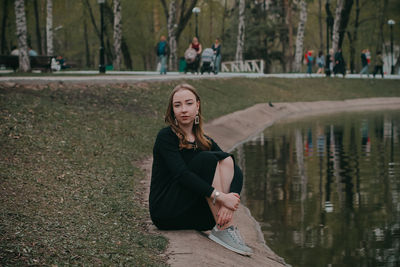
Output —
(378, 68)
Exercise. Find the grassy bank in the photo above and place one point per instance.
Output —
(70, 190)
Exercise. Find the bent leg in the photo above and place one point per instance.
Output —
(222, 182)
(219, 174)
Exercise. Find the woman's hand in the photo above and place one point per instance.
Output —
(225, 216)
(230, 200)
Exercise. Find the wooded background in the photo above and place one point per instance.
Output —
(271, 27)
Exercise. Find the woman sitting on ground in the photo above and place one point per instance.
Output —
(194, 184)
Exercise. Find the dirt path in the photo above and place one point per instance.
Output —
(191, 248)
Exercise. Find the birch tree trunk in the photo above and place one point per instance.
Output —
(172, 35)
(300, 36)
(117, 34)
(241, 31)
(24, 63)
(289, 53)
(336, 25)
(49, 28)
(177, 19)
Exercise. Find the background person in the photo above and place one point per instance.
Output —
(378, 64)
(14, 51)
(340, 65)
(320, 62)
(364, 63)
(310, 61)
(31, 52)
(194, 184)
(162, 50)
(216, 47)
(195, 44)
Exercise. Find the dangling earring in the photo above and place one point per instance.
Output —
(196, 119)
(176, 122)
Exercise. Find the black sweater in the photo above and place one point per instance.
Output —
(173, 186)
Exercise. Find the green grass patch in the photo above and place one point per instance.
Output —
(70, 191)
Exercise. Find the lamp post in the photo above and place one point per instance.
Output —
(102, 67)
(391, 23)
(196, 11)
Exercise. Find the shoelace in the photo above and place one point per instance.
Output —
(241, 241)
(235, 236)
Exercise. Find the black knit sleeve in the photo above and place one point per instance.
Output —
(167, 145)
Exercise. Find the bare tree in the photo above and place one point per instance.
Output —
(110, 15)
(3, 27)
(177, 18)
(382, 18)
(336, 25)
(85, 37)
(20, 17)
(344, 20)
(354, 36)
(38, 35)
(156, 21)
(288, 56)
(172, 27)
(117, 34)
(241, 31)
(321, 41)
(224, 16)
(49, 28)
(300, 36)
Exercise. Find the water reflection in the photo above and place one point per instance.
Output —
(326, 190)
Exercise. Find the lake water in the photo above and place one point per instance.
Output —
(326, 190)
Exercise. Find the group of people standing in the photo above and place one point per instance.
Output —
(334, 63)
(162, 50)
(366, 60)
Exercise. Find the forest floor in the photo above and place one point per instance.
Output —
(72, 191)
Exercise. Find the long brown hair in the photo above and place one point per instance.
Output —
(201, 140)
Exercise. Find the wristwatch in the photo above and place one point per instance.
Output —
(216, 194)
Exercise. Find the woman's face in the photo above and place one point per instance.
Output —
(185, 107)
(195, 40)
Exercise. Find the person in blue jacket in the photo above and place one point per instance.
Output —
(162, 50)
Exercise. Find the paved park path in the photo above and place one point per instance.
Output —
(148, 76)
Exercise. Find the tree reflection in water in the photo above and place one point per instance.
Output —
(326, 190)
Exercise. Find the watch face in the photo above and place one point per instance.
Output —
(217, 194)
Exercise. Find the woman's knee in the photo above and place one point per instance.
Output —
(227, 163)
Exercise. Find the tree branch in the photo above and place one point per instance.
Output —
(164, 4)
(86, 2)
(185, 19)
